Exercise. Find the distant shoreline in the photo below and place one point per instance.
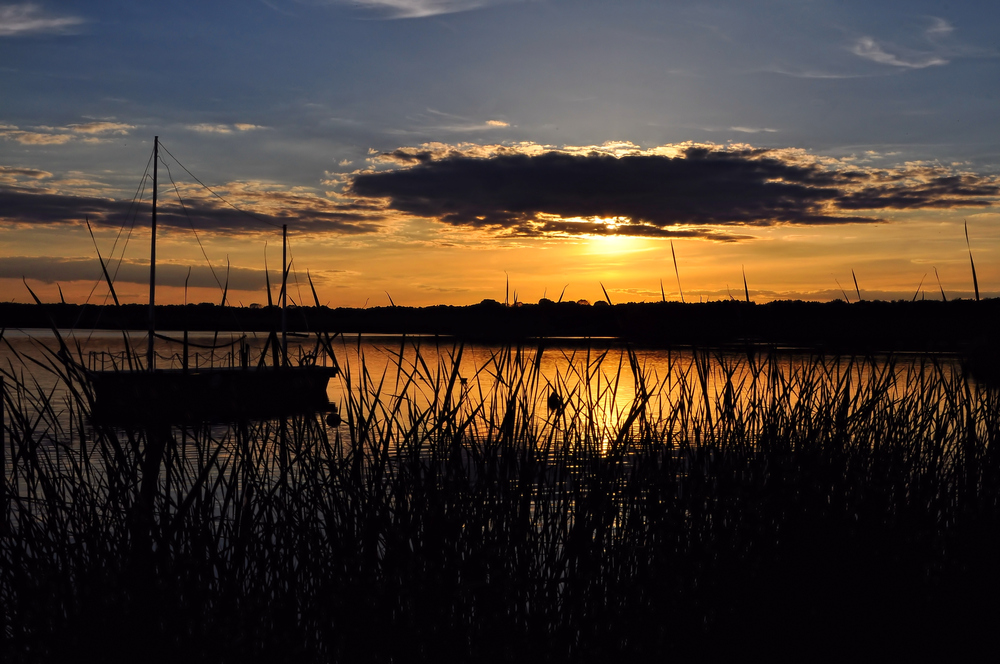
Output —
(874, 326)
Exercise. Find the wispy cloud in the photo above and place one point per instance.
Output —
(813, 73)
(434, 121)
(934, 53)
(30, 19)
(89, 132)
(468, 128)
(869, 49)
(930, 45)
(939, 27)
(754, 130)
(35, 137)
(423, 8)
(118, 128)
(14, 174)
(208, 128)
(277, 8)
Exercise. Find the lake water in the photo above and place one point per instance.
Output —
(598, 379)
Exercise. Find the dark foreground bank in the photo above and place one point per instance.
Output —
(953, 326)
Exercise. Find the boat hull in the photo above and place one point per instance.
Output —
(215, 395)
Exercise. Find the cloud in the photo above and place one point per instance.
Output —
(621, 227)
(456, 123)
(868, 48)
(463, 128)
(11, 174)
(933, 35)
(697, 189)
(939, 27)
(423, 8)
(35, 138)
(29, 19)
(814, 74)
(266, 209)
(753, 130)
(208, 128)
(90, 132)
(118, 128)
(932, 44)
(50, 269)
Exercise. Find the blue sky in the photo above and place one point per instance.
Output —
(299, 98)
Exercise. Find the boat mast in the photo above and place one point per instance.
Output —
(152, 261)
(284, 295)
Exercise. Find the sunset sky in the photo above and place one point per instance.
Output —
(433, 151)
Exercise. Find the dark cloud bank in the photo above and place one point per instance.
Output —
(655, 195)
(704, 191)
(310, 214)
(50, 269)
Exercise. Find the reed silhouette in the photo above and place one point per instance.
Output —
(789, 506)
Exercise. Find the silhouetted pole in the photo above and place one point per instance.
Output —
(152, 261)
(284, 294)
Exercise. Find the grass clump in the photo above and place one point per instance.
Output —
(760, 504)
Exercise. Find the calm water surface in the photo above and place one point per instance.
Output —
(601, 386)
(600, 375)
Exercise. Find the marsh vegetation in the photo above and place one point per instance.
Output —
(719, 505)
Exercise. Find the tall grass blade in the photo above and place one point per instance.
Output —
(104, 269)
(746, 289)
(606, 296)
(313, 288)
(843, 292)
(917, 292)
(677, 272)
(225, 288)
(975, 281)
(944, 298)
(858, 290)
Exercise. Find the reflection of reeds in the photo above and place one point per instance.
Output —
(734, 506)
